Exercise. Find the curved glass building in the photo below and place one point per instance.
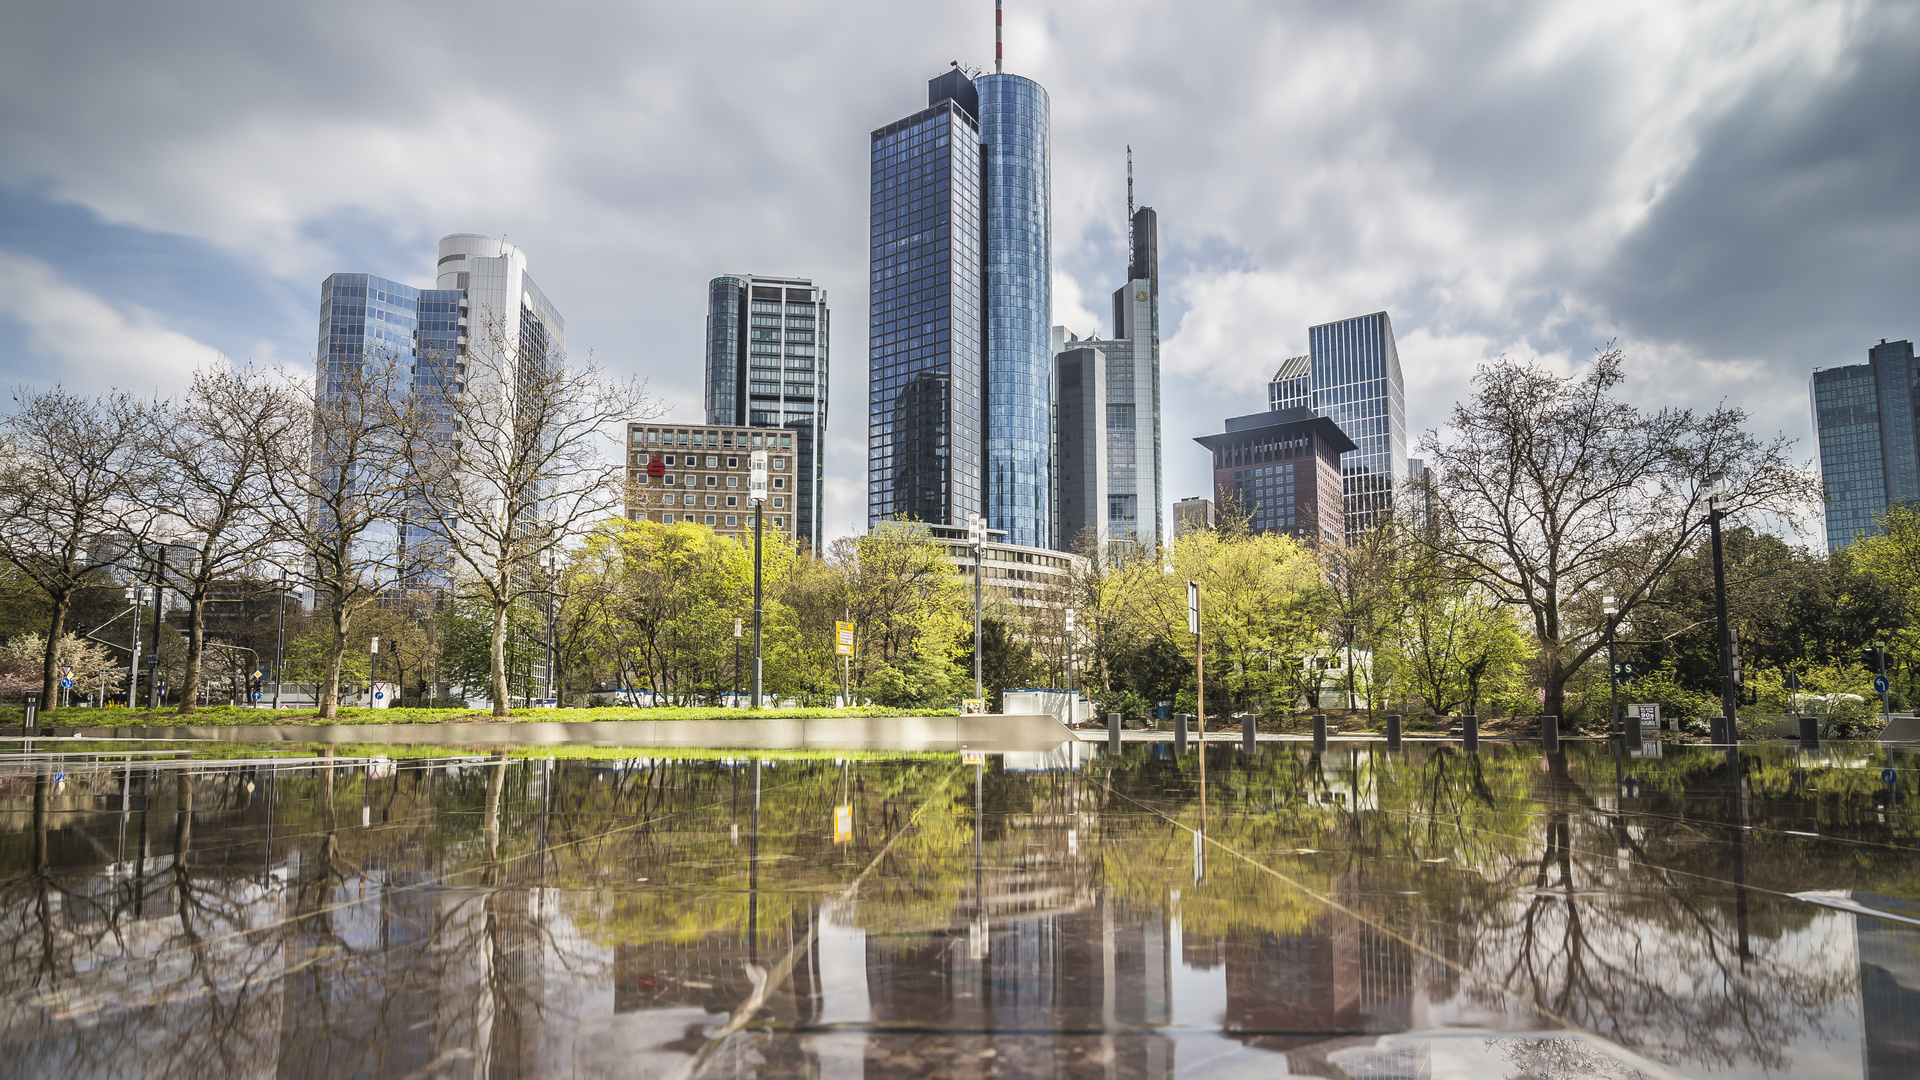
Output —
(1016, 212)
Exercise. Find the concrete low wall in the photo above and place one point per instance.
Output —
(993, 732)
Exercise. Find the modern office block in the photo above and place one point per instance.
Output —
(705, 473)
(1351, 375)
(960, 364)
(1080, 463)
(484, 304)
(1281, 472)
(1193, 514)
(767, 343)
(1128, 461)
(1869, 458)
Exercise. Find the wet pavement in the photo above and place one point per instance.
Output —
(1359, 913)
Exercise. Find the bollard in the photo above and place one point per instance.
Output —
(1470, 732)
(1635, 741)
(1113, 732)
(1550, 733)
(1809, 731)
(30, 713)
(1393, 731)
(1319, 733)
(1247, 721)
(1717, 730)
(1180, 733)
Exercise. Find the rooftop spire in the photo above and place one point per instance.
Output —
(999, 55)
(1129, 202)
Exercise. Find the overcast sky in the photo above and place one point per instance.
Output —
(1729, 189)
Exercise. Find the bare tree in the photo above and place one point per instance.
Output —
(214, 448)
(341, 493)
(1551, 490)
(512, 462)
(71, 477)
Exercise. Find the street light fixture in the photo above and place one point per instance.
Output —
(1070, 657)
(1716, 508)
(1609, 608)
(977, 539)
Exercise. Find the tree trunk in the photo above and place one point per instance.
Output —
(50, 666)
(196, 638)
(330, 686)
(501, 706)
(1554, 701)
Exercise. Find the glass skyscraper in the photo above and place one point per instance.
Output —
(1864, 415)
(767, 368)
(959, 337)
(1351, 375)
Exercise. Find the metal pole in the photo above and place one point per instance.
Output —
(153, 675)
(1728, 701)
(1886, 696)
(978, 551)
(280, 645)
(133, 655)
(1200, 668)
(759, 523)
(550, 691)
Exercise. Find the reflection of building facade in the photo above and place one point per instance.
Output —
(1280, 472)
(705, 474)
(767, 368)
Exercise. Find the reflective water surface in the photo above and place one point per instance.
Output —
(1427, 913)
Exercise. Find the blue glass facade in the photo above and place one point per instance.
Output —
(924, 319)
(1354, 376)
(1869, 453)
(1016, 140)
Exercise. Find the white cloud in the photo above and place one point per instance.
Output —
(86, 344)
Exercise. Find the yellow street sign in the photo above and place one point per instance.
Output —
(843, 824)
(844, 642)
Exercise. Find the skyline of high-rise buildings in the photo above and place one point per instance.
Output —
(767, 367)
(1864, 421)
(960, 310)
(1351, 375)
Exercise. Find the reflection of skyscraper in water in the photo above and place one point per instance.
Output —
(1889, 990)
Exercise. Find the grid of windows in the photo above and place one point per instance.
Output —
(925, 319)
(1864, 414)
(1354, 369)
(767, 350)
(1016, 140)
(723, 457)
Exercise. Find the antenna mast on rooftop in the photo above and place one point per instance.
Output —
(1129, 202)
(998, 55)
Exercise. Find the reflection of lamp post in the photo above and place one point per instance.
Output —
(280, 640)
(1716, 508)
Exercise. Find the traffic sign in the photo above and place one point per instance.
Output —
(66, 684)
(843, 638)
(1889, 777)
(1880, 684)
(256, 695)
(66, 669)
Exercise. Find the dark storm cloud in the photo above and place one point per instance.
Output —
(1795, 235)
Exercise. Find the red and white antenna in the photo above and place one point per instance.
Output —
(999, 54)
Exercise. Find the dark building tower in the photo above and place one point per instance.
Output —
(1864, 415)
(1351, 374)
(767, 368)
(958, 339)
(1280, 472)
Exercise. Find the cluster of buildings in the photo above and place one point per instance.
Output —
(1867, 417)
(978, 406)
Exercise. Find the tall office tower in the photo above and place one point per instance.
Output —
(1869, 458)
(1111, 487)
(483, 299)
(960, 366)
(767, 368)
(1351, 375)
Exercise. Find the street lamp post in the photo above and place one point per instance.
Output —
(1609, 608)
(736, 663)
(135, 595)
(977, 539)
(757, 495)
(1716, 507)
(153, 658)
(280, 640)
(1070, 655)
(373, 662)
(1199, 660)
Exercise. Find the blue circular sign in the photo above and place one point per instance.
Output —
(379, 694)
(1888, 777)
(66, 684)
(1880, 684)
(256, 695)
